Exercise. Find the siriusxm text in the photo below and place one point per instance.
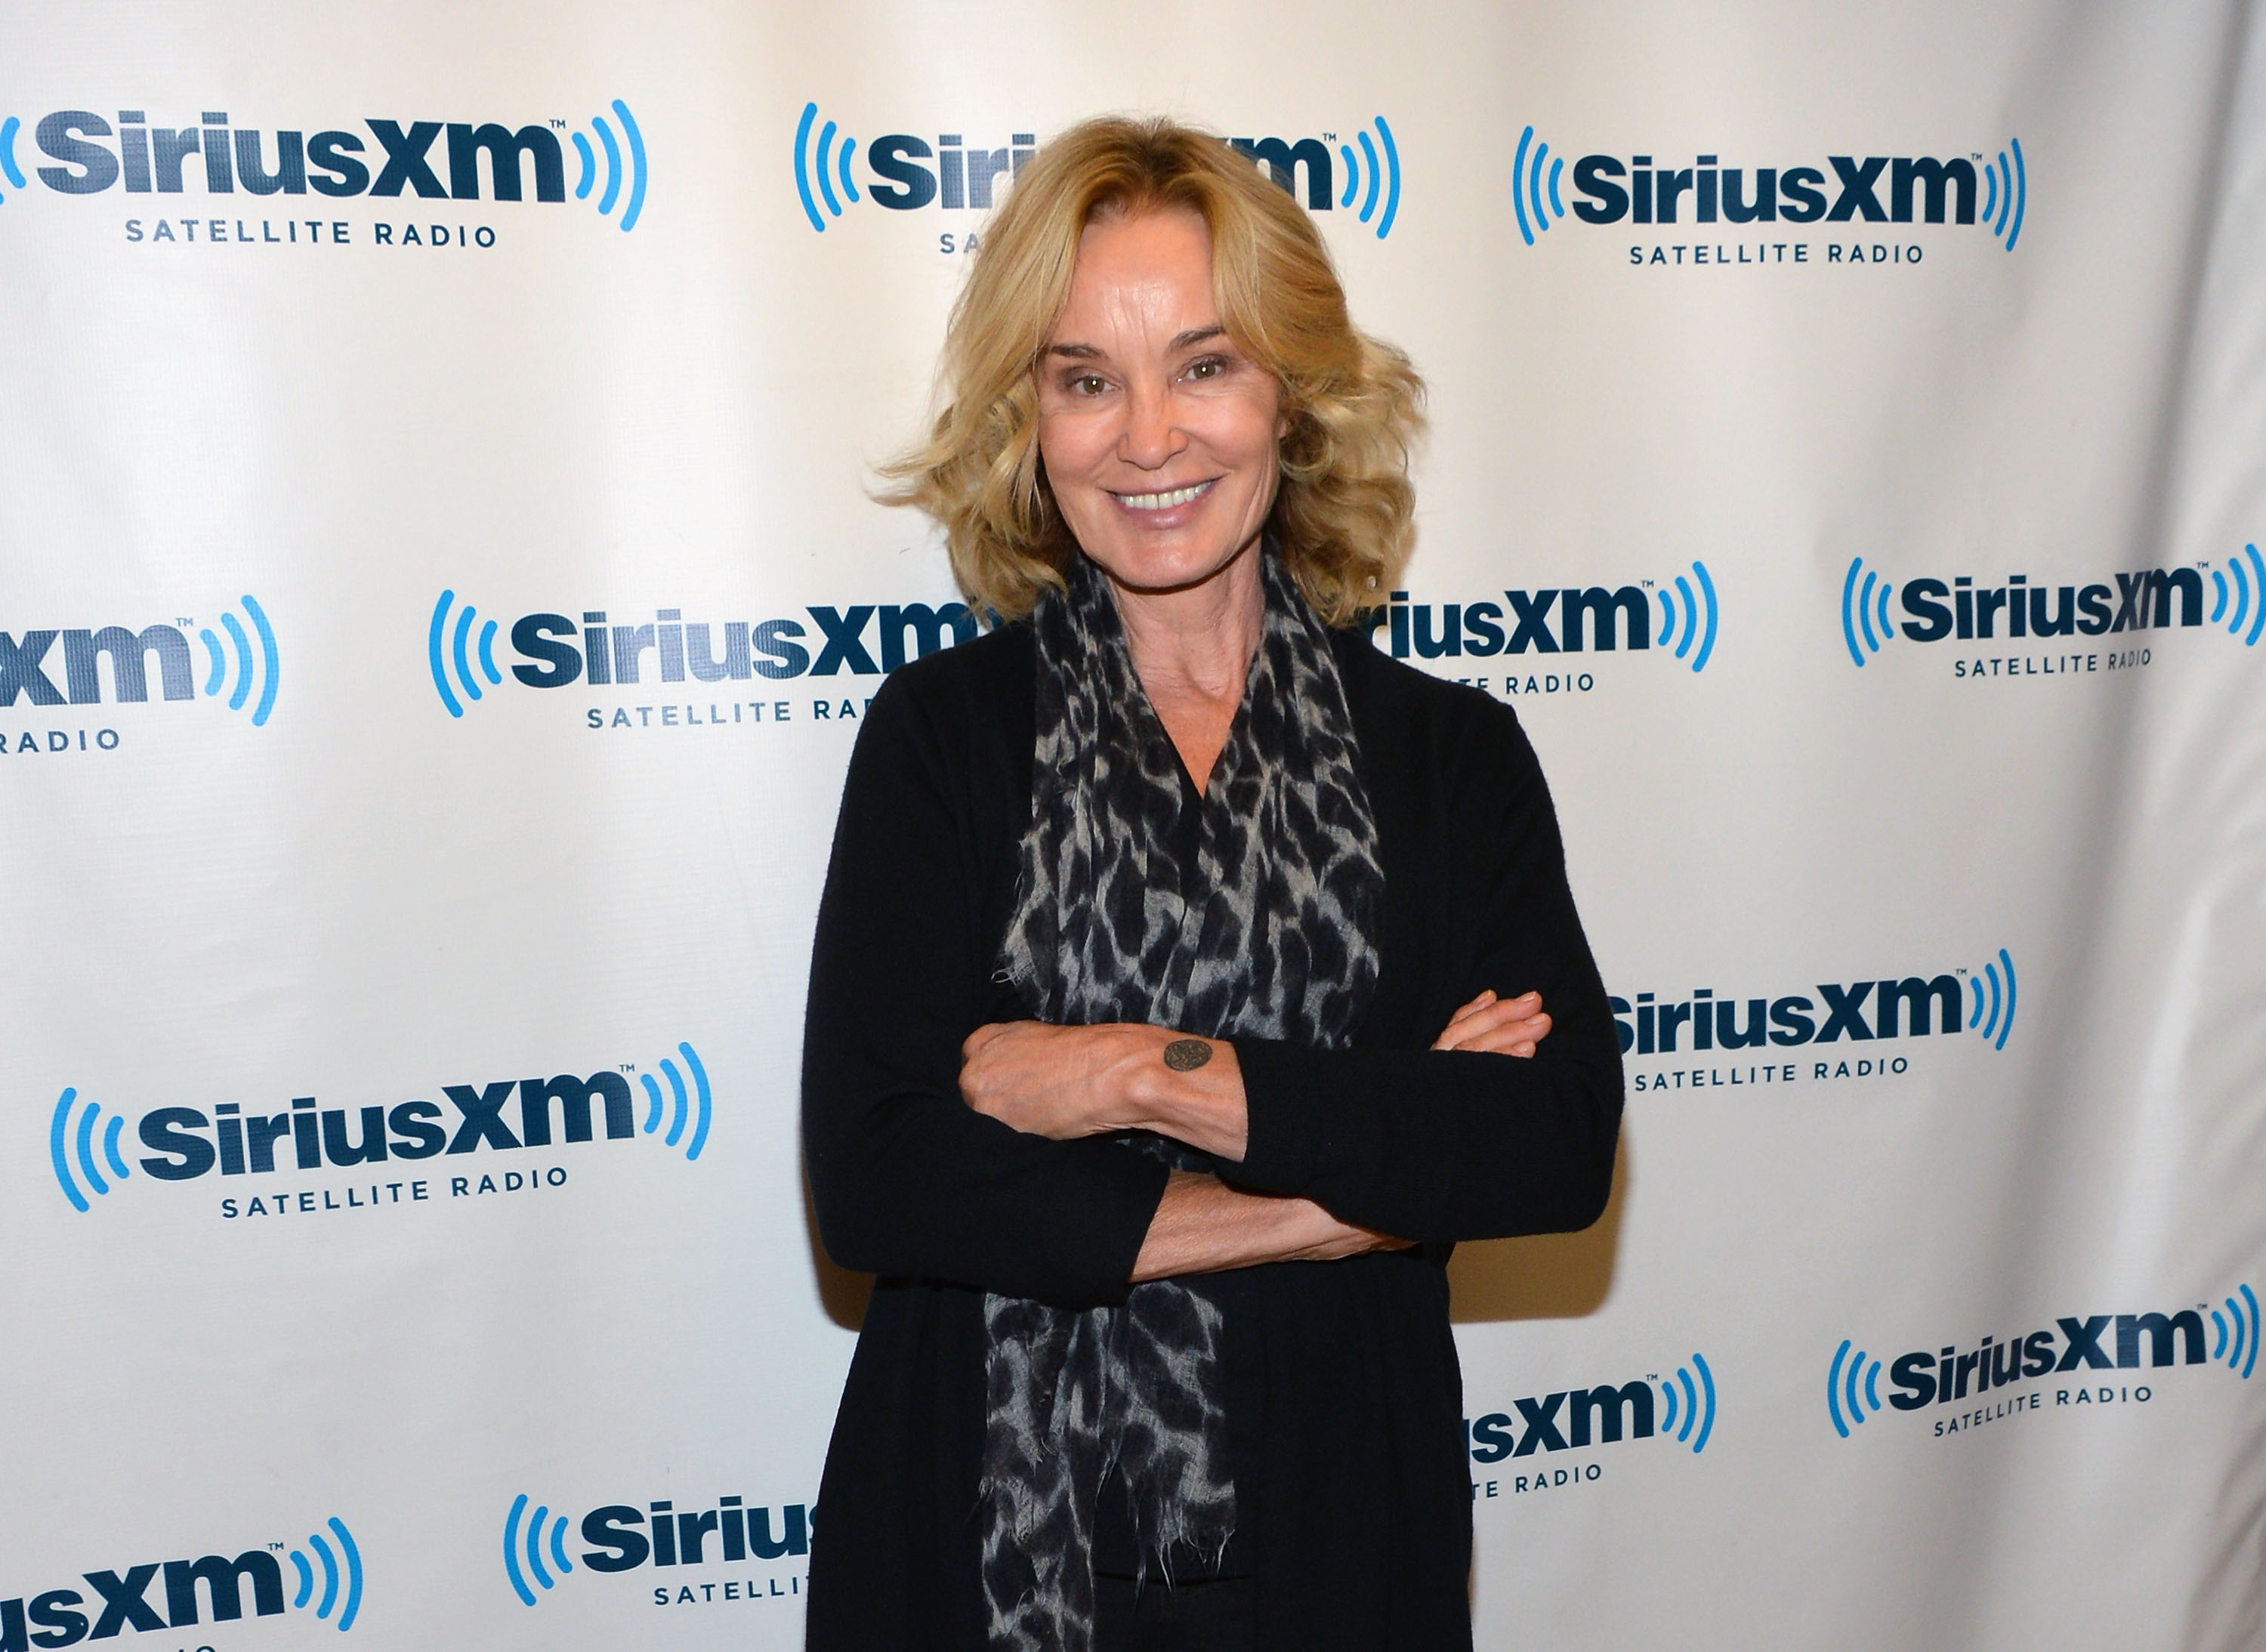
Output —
(1859, 1011)
(863, 640)
(1548, 621)
(1564, 1422)
(625, 1538)
(26, 665)
(189, 1144)
(2099, 1342)
(956, 175)
(1877, 189)
(2149, 598)
(114, 1601)
(433, 159)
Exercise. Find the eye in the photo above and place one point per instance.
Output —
(1206, 367)
(1087, 384)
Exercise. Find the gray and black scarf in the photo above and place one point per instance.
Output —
(1278, 941)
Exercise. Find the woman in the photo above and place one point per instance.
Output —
(1125, 1066)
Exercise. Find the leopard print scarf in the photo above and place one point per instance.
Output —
(1279, 943)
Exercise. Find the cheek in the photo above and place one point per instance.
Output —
(1069, 446)
(1251, 431)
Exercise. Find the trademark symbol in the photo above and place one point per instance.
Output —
(1975, 154)
(1961, 970)
(629, 1066)
(183, 624)
(1329, 138)
(1646, 583)
(277, 1547)
(556, 125)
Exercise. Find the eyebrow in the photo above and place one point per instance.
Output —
(1181, 341)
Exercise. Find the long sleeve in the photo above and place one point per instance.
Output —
(1448, 1145)
(906, 1180)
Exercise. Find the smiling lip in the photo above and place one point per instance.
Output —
(1171, 500)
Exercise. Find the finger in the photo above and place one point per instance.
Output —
(1526, 1003)
(1509, 1034)
(1517, 1038)
(1464, 1013)
(1473, 1007)
(1481, 1022)
(980, 1037)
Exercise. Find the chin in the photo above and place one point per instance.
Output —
(1165, 570)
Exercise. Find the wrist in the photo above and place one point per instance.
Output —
(1191, 1089)
(1140, 1085)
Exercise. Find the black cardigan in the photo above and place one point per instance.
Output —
(1361, 1507)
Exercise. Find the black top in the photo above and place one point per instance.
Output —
(1354, 1492)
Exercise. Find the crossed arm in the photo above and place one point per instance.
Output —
(1066, 1082)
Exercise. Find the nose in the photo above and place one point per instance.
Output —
(1150, 439)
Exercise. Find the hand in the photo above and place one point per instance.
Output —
(1204, 1226)
(1328, 1239)
(1507, 1026)
(1042, 1079)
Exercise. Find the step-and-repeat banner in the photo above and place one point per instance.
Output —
(442, 589)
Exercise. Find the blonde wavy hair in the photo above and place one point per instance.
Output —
(1344, 512)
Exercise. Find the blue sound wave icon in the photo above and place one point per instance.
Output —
(9, 128)
(1846, 1401)
(1529, 199)
(1996, 1014)
(63, 1139)
(1695, 610)
(342, 1564)
(824, 164)
(446, 646)
(1382, 176)
(2248, 586)
(2238, 1333)
(2006, 195)
(525, 1533)
(265, 671)
(1693, 1418)
(635, 172)
(1865, 611)
(681, 1110)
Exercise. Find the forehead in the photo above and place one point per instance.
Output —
(1150, 260)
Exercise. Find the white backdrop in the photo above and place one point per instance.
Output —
(340, 848)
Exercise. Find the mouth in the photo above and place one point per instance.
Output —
(1169, 500)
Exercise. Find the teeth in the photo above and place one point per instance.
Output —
(1163, 501)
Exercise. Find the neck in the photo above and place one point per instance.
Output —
(1194, 644)
(1192, 650)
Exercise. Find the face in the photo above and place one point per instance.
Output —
(1159, 433)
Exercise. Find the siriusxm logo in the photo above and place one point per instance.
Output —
(93, 155)
(1940, 1377)
(1558, 621)
(554, 652)
(55, 1617)
(623, 1537)
(1917, 1006)
(248, 678)
(1607, 190)
(185, 1144)
(2150, 599)
(905, 173)
(1578, 1418)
